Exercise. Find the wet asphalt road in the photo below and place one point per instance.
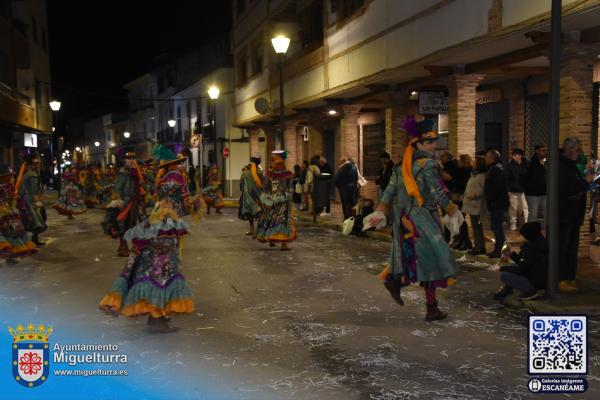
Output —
(313, 323)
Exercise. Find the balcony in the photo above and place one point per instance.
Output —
(14, 110)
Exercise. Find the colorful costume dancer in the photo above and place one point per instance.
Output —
(276, 222)
(70, 202)
(250, 185)
(151, 282)
(90, 186)
(171, 185)
(29, 192)
(212, 192)
(130, 192)
(14, 240)
(419, 252)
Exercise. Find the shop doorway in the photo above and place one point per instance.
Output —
(492, 136)
(537, 127)
(492, 128)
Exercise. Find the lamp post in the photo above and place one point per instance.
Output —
(281, 44)
(552, 211)
(55, 106)
(213, 94)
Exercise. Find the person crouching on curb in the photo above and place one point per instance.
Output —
(530, 272)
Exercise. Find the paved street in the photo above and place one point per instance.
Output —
(312, 323)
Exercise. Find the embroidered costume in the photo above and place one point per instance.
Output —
(276, 222)
(128, 208)
(90, 187)
(151, 282)
(69, 201)
(419, 252)
(14, 240)
(250, 185)
(29, 202)
(212, 192)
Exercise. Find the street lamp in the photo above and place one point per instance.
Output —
(172, 123)
(126, 134)
(77, 148)
(55, 105)
(213, 94)
(281, 44)
(97, 144)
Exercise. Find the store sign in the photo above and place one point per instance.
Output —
(489, 96)
(433, 103)
(30, 140)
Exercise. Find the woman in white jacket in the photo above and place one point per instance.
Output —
(474, 202)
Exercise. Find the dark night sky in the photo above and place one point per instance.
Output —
(97, 46)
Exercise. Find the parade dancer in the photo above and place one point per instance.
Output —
(170, 183)
(107, 185)
(151, 282)
(212, 192)
(419, 252)
(251, 186)
(128, 187)
(14, 240)
(276, 222)
(90, 186)
(29, 193)
(69, 201)
(149, 173)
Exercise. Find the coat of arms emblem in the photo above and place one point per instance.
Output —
(30, 354)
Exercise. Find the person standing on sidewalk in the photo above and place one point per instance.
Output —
(516, 170)
(535, 184)
(346, 180)
(385, 172)
(312, 172)
(326, 170)
(572, 198)
(419, 252)
(474, 204)
(496, 196)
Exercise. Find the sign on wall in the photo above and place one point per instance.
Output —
(433, 103)
(489, 96)
(30, 140)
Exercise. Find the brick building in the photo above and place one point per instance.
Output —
(356, 68)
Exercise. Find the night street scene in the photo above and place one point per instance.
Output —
(299, 199)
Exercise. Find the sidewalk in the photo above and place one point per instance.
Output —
(585, 301)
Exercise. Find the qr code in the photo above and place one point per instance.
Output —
(557, 344)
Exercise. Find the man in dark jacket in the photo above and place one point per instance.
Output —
(385, 172)
(516, 169)
(495, 190)
(572, 195)
(346, 180)
(535, 184)
(531, 270)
